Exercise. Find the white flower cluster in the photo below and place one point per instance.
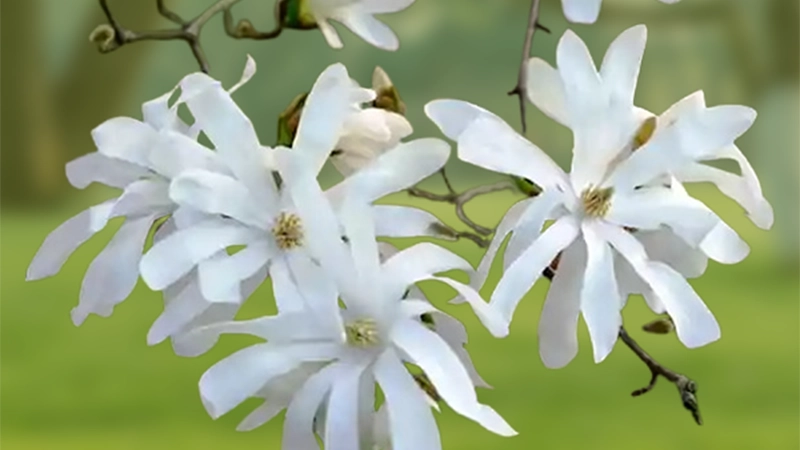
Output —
(349, 313)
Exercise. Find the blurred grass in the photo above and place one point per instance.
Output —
(100, 386)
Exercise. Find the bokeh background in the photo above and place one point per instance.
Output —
(100, 386)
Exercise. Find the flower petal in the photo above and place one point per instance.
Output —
(600, 298)
(546, 90)
(527, 269)
(621, 63)
(558, 324)
(317, 291)
(173, 257)
(174, 152)
(455, 334)
(113, 274)
(298, 426)
(530, 224)
(329, 33)
(144, 197)
(581, 11)
(239, 376)
(411, 422)
(372, 30)
(451, 380)
(694, 323)
(488, 316)
(417, 263)
(99, 168)
(490, 143)
(221, 277)
(405, 221)
(323, 116)
(247, 74)
(61, 242)
(341, 419)
(181, 305)
(126, 139)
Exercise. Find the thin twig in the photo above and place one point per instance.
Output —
(521, 89)
(112, 36)
(687, 388)
(459, 200)
(245, 29)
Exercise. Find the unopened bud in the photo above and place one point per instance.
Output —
(289, 120)
(296, 14)
(104, 36)
(387, 97)
(663, 325)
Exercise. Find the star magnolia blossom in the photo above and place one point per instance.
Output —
(358, 16)
(620, 162)
(587, 11)
(345, 351)
(245, 207)
(368, 132)
(139, 157)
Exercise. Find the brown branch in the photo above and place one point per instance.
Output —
(245, 29)
(459, 200)
(113, 35)
(521, 89)
(687, 388)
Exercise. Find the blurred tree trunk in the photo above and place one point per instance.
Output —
(45, 123)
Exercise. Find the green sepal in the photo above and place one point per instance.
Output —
(289, 120)
(296, 14)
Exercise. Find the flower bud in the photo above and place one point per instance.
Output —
(289, 120)
(105, 37)
(387, 97)
(663, 325)
(296, 14)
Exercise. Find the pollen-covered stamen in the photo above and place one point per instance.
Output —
(596, 201)
(644, 133)
(288, 231)
(362, 333)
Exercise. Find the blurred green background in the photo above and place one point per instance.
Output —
(100, 386)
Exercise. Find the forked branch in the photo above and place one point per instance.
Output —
(521, 89)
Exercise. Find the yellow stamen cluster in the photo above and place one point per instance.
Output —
(596, 201)
(644, 133)
(288, 231)
(362, 333)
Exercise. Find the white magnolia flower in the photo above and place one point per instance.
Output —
(138, 157)
(619, 164)
(358, 16)
(246, 207)
(587, 11)
(366, 342)
(369, 132)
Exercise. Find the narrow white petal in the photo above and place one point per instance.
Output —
(558, 324)
(455, 334)
(489, 317)
(221, 277)
(411, 422)
(126, 139)
(317, 290)
(372, 30)
(453, 117)
(214, 193)
(694, 323)
(600, 297)
(664, 245)
(247, 74)
(298, 432)
(506, 225)
(724, 245)
(448, 375)
(491, 143)
(174, 152)
(620, 68)
(113, 274)
(416, 263)
(406, 221)
(530, 224)
(341, 424)
(546, 90)
(581, 11)
(359, 227)
(146, 196)
(239, 376)
(527, 269)
(323, 116)
(98, 168)
(176, 255)
(180, 308)
(399, 168)
(330, 33)
(61, 242)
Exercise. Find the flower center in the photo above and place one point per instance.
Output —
(288, 231)
(596, 201)
(362, 333)
(644, 133)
